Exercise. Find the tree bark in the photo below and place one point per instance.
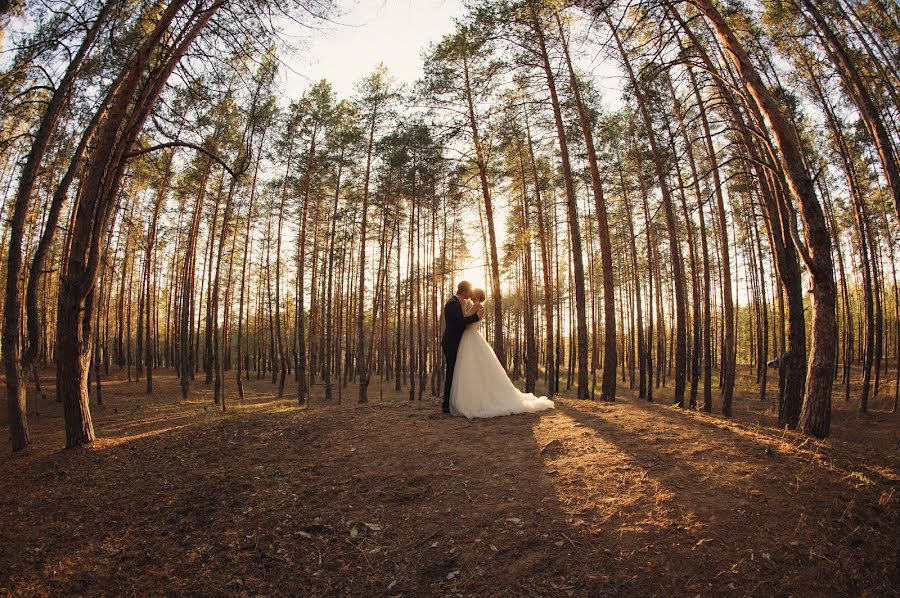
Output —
(610, 357)
(572, 211)
(543, 235)
(16, 394)
(496, 291)
(301, 273)
(671, 224)
(361, 368)
(815, 416)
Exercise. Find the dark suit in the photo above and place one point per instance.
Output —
(454, 325)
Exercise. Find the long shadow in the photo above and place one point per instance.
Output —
(379, 501)
(670, 449)
(773, 443)
(663, 523)
(752, 505)
(396, 500)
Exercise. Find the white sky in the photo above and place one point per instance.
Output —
(394, 32)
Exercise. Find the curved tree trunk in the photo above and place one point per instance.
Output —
(11, 335)
(101, 185)
(815, 416)
(861, 97)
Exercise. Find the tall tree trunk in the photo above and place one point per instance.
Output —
(763, 345)
(728, 354)
(608, 387)
(301, 273)
(692, 257)
(705, 332)
(572, 210)
(671, 225)
(11, 336)
(481, 162)
(76, 296)
(329, 325)
(531, 358)
(361, 368)
(218, 389)
(211, 258)
(639, 323)
(187, 285)
(158, 203)
(543, 236)
(278, 345)
(815, 416)
(248, 248)
(642, 187)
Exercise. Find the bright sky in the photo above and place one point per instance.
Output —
(394, 32)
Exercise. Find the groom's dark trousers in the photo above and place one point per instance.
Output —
(454, 326)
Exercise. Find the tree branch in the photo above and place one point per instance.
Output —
(194, 146)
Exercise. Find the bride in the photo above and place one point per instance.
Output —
(480, 386)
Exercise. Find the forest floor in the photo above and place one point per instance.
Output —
(393, 498)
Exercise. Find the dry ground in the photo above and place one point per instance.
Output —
(392, 498)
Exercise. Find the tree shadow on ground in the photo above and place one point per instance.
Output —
(391, 499)
(370, 501)
(741, 512)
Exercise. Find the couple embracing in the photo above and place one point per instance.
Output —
(476, 385)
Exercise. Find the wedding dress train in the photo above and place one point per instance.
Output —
(481, 387)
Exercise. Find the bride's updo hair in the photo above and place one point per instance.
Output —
(479, 294)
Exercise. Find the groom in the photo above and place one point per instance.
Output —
(454, 326)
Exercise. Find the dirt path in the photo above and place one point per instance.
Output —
(394, 499)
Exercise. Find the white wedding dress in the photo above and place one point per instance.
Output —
(481, 387)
